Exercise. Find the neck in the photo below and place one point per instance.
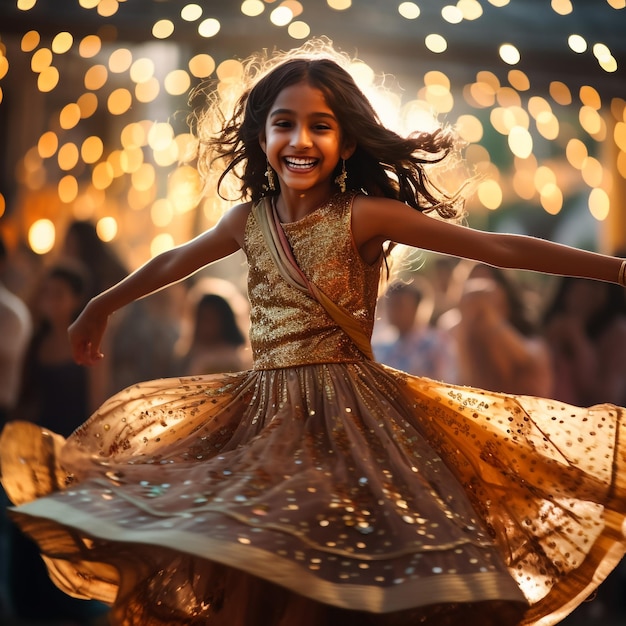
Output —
(294, 205)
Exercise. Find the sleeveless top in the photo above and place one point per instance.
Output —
(289, 327)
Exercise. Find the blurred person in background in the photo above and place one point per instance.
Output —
(415, 346)
(15, 330)
(214, 329)
(58, 394)
(104, 265)
(499, 346)
(140, 341)
(585, 327)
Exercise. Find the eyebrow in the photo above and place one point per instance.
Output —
(276, 112)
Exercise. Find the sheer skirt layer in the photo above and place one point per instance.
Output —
(338, 491)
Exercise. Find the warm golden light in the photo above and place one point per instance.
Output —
(409, 10)
(161, 243)
(519, 80)
(89, 46)
(95, 77)
(67, 189)
(144, 178)
(41, 236)
(138, 83)
(436, 43)
(133, 135)
(62, 42)
(562, 7)
(590, 119)
(577, 43)
(548, 125)
(120, 60)
(160, 136)
(619, 136)
(142, 70)
(30, 41)
(471, 9)
(148, 91)
(48, 144)
(69, 116)
(299, 30)
(452, 14)
(26, 5)
(162, 213)
(281, 15)
(107, 8)
(560, 93)
(201, 65)
(41, 60)
(48, 79)
(106, 227)
(92, 149)
(163, 29)
(131, 159)
(119, 101)
(469, 128)
(209, 27)
(599, 204)
(592, 171)
(490, 194)
(102, 175)
(191, 12)
(68, 156)
(551, 198)
(520, 142)
(184, 189)
(339, 5)
(177, 82)
(509, 54)
(576, 153)
(252, 8)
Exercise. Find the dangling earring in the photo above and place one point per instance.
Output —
(271, 178)
(341, 177)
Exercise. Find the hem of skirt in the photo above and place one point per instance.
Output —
(438, 589)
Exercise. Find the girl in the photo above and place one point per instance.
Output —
(321, 487)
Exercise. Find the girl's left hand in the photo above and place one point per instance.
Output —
(85, 335)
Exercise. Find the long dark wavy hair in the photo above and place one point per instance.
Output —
(383, 164)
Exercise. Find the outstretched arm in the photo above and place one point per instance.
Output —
(165, 269)
(376, 220)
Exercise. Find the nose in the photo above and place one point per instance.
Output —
(301, 138)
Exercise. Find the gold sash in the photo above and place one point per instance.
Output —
(281, 252)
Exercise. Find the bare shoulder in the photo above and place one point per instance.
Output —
(385, 219)
(235, 219)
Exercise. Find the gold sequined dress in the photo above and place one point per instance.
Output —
(321, 487)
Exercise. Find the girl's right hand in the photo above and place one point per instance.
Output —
(85, 335)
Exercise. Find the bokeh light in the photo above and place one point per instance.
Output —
(110, 130)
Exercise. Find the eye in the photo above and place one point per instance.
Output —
(282, 124)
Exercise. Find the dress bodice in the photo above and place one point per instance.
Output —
(289, 327)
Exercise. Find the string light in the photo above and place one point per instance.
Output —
(92, 171)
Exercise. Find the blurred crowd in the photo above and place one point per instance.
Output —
(455, 321)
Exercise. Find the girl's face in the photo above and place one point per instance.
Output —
(302, 138)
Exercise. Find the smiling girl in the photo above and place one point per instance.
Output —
(321, 487)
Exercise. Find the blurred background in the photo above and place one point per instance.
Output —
(94, 107)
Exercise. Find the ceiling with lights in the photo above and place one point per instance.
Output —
(535, 88)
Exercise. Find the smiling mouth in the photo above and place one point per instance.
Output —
(296, 163)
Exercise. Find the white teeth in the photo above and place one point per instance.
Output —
(300, 163)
